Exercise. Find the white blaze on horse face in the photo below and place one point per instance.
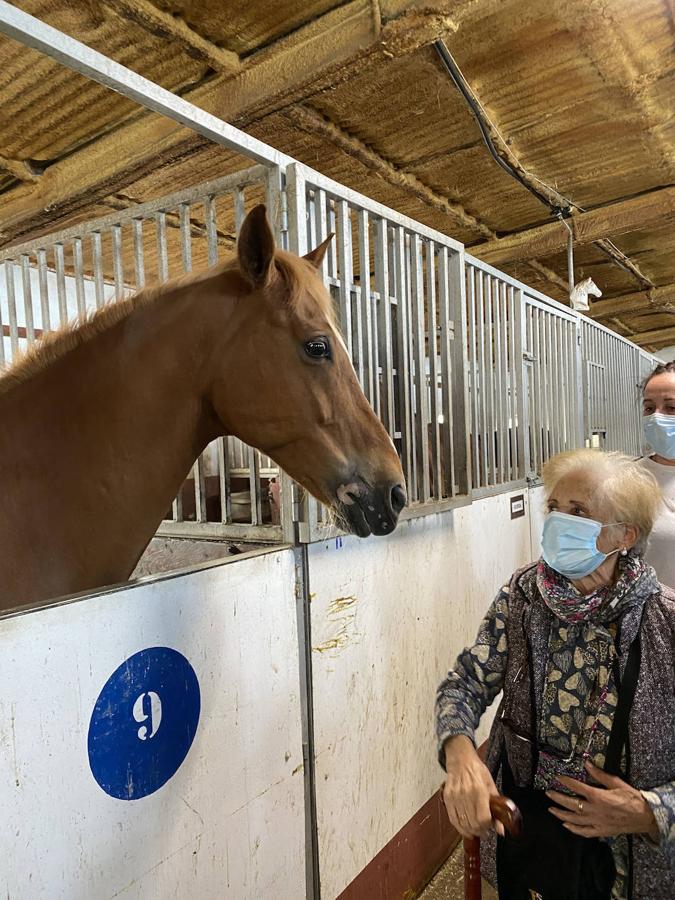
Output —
(340, 340)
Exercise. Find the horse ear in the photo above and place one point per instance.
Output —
(315, 256)
(255, 247)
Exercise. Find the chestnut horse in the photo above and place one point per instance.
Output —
(101, 423)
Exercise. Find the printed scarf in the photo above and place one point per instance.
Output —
(580, 693)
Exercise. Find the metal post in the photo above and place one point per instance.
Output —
(304, 619)
(570, 259)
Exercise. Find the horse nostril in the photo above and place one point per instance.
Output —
(398, 498)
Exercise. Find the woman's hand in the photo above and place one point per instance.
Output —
(616, 808)
(467, 789)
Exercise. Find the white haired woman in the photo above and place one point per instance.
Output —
(583, 645)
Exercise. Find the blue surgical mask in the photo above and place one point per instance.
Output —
(570, 544)
(659, 431)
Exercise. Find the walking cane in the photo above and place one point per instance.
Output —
(503, 810)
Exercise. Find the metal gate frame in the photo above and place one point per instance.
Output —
(419, 254)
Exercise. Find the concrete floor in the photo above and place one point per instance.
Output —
(448, 883)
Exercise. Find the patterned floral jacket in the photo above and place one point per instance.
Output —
(512, 642)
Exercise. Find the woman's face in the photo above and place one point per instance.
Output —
(659, 395)
(579, 494)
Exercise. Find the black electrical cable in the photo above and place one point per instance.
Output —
(460, 83)
(560, 212)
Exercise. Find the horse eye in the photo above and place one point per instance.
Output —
(318, 349)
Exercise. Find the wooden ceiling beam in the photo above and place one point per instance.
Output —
(659, 337)
(162, 24)
(660, 299)
(650, 210)
(329, 50)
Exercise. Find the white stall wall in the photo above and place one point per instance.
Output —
(388, 618)
(230, 822)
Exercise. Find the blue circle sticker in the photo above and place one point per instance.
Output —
(143, 723)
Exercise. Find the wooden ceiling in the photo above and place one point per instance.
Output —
(579, 95)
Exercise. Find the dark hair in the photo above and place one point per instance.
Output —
(659, 370)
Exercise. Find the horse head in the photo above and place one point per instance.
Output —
(296, 396)
(581, 291)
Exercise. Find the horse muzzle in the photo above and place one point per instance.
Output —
(367, 510)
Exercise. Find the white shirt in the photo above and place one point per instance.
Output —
(661, 548)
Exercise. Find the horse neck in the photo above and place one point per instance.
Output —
(100, 442)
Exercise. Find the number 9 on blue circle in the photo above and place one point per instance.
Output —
(143, 723)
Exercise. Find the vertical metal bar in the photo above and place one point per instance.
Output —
(579, 382)
(545, 323)
(211, 226)
(239, 209)
(79, 277)
(59, 264)
(483, 376)
(367, 373)
(505, 394)
(490, 383)
(552, 397)
(345, 263)
(11, 308)
(3, 361)
(299, 223)
(512, 364)
(27, 298)
(162, 254)
(304, 624)
(320, 226)
(177, 507)
(461, 417)
(97, 260)
(224, 480)
(561, 411)
(497, 379)
(537, 372)
(200, 490)
(331, 227)
(522, 417)
(44, 290)
(447, 309)
(254, 486)
(558, 407)
(475, 377)
(384, 326)
(139, 253)
(185, 236)
(567, 395)
(570, 260)
(418, 339)
(276, 206)
(432, 345)
(118, 270)
(404, 374)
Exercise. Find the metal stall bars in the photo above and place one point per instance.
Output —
(613, 369)
(399, 290)
(523, 377)
(232, 489)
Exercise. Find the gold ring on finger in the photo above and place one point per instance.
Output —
(580, 805)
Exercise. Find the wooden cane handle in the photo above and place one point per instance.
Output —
(502, 810)
(505, 811)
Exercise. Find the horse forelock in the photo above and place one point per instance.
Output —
(304, 286)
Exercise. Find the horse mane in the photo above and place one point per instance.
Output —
(299, 275)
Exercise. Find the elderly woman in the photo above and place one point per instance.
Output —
(583, 645)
